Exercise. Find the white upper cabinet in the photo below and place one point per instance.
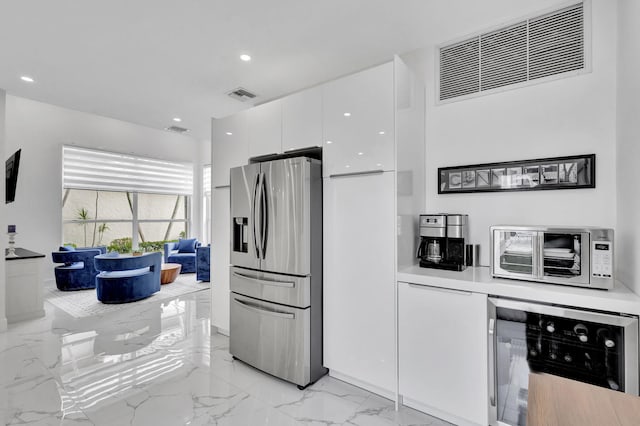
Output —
(264, 124)
(358, 121)
(230, 146)
(302, 120)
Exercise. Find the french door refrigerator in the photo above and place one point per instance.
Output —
(276, 268)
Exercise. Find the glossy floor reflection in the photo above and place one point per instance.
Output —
(157, 365)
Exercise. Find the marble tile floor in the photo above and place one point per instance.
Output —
(158, 365)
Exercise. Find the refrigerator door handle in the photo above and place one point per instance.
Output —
(265, 216)
(255, 215)
(261, 310)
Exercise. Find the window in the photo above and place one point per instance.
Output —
(123, 201)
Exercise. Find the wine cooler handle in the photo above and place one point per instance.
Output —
(492, 361)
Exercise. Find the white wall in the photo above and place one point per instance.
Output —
(628, 144)
(3, 282)
(40, 130)
(565, 117)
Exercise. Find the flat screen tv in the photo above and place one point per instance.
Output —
(12, 165)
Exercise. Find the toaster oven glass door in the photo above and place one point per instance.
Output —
(516, 253)
(565, 257)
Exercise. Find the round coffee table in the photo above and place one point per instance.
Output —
(169, 272)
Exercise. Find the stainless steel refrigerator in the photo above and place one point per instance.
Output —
(276, 272)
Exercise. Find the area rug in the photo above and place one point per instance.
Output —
(84, 303)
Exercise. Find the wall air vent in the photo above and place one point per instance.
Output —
(241, 94)
(176, 129)
(529, 51)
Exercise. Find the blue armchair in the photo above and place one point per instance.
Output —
(182, 252)
(77, 271)
(203, 256)
(127, 278)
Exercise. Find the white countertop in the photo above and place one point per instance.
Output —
(619, 299)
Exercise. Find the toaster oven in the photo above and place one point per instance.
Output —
(581, 257)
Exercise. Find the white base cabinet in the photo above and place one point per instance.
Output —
(358, 275)
(443, 366)
(24, 289)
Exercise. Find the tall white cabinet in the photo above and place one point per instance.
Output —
(359, 280)
(230, 148)
(220, 257)
(359, 170)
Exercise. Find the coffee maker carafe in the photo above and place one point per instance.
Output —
(442, 241)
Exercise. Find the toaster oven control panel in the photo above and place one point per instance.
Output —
(601, 259)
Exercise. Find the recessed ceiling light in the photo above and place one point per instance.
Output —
(347, 166)
(360, 153)
(329, 142)
(27, 79)
(379, 165)
(229, 133)
(381, 132)
(245, 57)
(177, 119)
(347, 114)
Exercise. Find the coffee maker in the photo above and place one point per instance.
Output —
(442, 241)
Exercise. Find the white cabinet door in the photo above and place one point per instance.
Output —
(302, 120)
(358, 122)
(443, 352)
(229, 146)
(358, 268)
(220, 257)
(264, 123)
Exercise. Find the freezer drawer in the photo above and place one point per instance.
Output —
(284, 289)
(272, 338)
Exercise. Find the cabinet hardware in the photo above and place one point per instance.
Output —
(365, 172)
(440, 289)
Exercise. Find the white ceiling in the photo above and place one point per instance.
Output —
(147, 61)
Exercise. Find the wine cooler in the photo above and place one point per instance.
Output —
(591, 347)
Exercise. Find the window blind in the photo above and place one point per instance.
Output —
(108, 171)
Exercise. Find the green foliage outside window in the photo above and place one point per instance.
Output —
(124, 245)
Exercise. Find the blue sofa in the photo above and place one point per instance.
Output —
(127, 278)
(203, 256)
(77, 271)
(182, 252)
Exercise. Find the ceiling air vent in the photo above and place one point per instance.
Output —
(241, 94)
(176, 129)
(540, 46)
